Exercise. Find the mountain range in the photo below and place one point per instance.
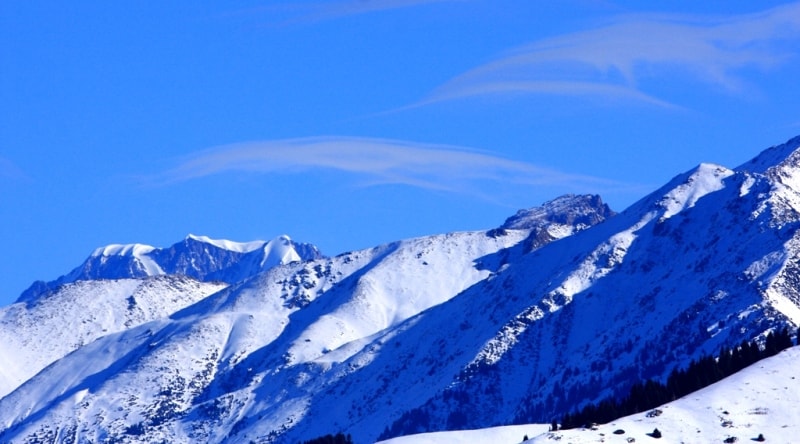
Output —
(562, 305)
(198, 257)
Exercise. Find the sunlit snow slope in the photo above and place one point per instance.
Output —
(37, 333)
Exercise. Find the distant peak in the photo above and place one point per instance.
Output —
(239, 247)
(198, 257)
(279, 251)
(282, 239)
(123, 250)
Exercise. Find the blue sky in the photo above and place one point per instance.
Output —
(350, 123)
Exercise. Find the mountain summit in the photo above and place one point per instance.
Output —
(560, 306)
(579, 212)
(558, 218)
(199, 257)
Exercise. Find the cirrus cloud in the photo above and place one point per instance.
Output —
(379, 161)
(612, 60)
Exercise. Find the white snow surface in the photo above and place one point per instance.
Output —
(493, 435)
(706, 179)
(123, 250)
(37, 335)
(279, 251)
(239, 247)
(139, 252)
(760, 400)
(141, 249)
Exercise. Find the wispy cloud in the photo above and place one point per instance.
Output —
(305, 13)
(612, 60)
(379, 161)
(552, 87)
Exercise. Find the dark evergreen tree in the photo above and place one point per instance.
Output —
(700, 373)
(413, 421)
(331, 439)
(777, 341)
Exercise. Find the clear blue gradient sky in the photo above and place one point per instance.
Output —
(350, 123)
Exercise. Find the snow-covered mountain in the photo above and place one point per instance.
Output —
(562, 305)
(367, 295)
(112, 291)
(39, 333)
(198, 257)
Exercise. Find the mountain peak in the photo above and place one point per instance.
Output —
(558, 218)
(686, 189)
(279, 251)
(283, 239)
(239, 247)
(198, 257)
(581, 210)
(123, 250)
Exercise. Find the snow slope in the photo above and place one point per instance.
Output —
(494, 435)
(759, 400)
(37, 334)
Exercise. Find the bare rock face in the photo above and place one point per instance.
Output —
(582, 211)
(558, 218)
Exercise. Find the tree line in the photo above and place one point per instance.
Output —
(338, 438)
(681, 382)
